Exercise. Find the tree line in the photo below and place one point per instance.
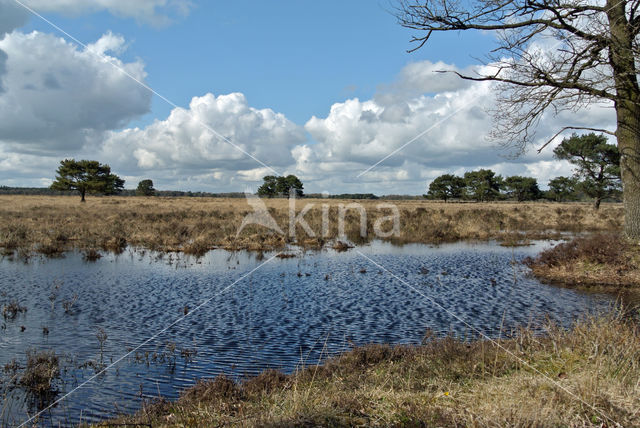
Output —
(596, 176)
(92, 177)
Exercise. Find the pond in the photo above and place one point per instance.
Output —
(159, 322)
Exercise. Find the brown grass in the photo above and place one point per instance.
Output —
(587, 376)
(41, 370)
(11, 310)
(602, 260)
(51, 225)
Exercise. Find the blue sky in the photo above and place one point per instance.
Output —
(319, 89)
(296, 57)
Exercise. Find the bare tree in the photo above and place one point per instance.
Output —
(552, 55)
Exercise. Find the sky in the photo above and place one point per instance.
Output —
(212, 96)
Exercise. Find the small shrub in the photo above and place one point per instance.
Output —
(341, 246)
(602, 248)
(69, 303)
(11, 311)
(213, 390)
(51, 248)
(14, 237)
(196, 248)
(188, 354)
(41, 370)
(266, 382)
(91, 255)
(285, 255)
(12, 367)
(117, 244)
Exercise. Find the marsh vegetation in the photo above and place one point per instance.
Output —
(601, 260)
(53, 225)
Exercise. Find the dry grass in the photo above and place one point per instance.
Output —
(51, 225)
(602, 260)
(41, 371)
(587, 376)
(11, 310)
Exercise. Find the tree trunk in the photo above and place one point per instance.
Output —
(82, 192)
(629, 146)
(596, 202)
(627, 106)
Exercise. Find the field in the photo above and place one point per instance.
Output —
(52, 225)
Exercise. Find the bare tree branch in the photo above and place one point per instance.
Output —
(584, 128)
(551, 56)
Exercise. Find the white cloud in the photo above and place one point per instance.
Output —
(419, 78)
(58, 98)
(189, 142)
(109, 42)
(367, 131)
(356, 134)
(183, 151)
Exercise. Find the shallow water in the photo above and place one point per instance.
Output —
(247, 313)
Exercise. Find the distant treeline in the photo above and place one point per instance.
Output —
(343, 196)
(548, 195)
(485, 185)
(5, 190)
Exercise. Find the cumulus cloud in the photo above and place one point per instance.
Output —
(190, 141)
(435, 123)
(357, 134)
(424, 77)
(57, 98)
(12, 16)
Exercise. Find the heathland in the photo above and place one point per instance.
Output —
(51, 225)
(586, 375)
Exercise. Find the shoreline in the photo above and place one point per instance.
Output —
(600, 261)
(524, 380)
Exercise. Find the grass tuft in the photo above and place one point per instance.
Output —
(41, 370)
(11, 310)
(598, 260)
